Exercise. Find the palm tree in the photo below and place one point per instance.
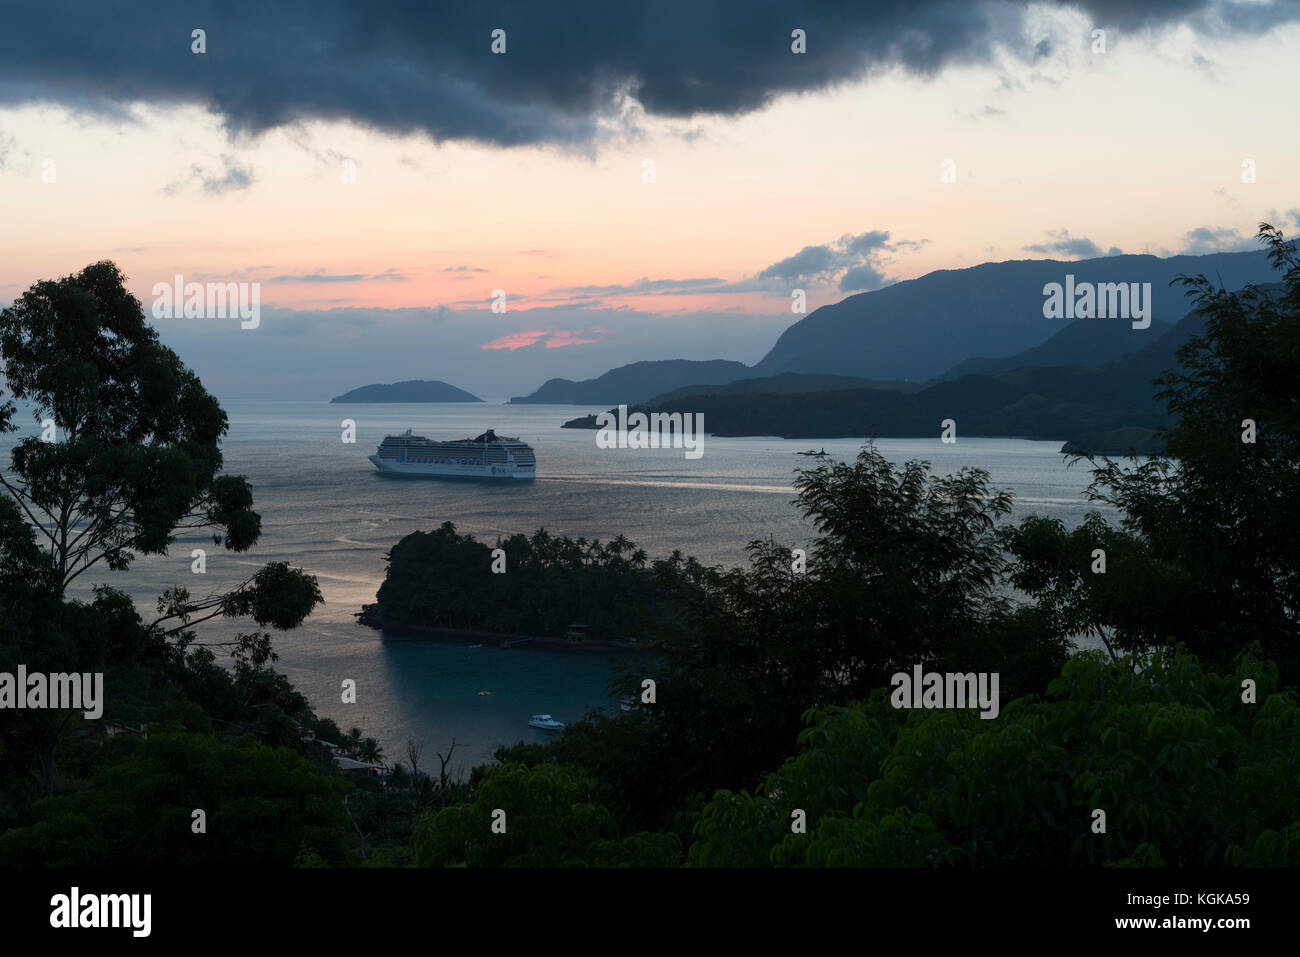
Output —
(352, 741)
(371, 752)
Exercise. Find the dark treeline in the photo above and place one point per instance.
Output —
(772, 738)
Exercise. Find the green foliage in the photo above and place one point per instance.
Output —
(138, 447)
(904, 572)
(263, 805)
(643, 849)
(1130, 606)
(550, 821)
(1169, 751)
(385, 818)
(46, 634)
(325, 729)
(1216, 517)
(136, 457)
(137, 453)
(278, 596)
(307, 857)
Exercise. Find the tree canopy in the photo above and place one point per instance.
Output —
(130, 453)
(1205, 555)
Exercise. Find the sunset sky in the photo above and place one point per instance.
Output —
(526, 171)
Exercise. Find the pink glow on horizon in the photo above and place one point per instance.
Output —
(567, 337)
(555, 339)
(516, 340)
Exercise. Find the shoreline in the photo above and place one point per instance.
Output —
(502, 639)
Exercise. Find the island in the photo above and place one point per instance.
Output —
(413, 390)
(561, 592)
(635, 382)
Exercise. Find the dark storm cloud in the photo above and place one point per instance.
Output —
(862, 278)
(232, 177)
(1075, 247)
(235, 177)
(426, 67)
(1216, 239)
(809, 261)
(858, 258)
(865, 244)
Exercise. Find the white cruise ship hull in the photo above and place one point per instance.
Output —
(506, 470)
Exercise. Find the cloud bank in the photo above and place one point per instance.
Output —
(428, 67)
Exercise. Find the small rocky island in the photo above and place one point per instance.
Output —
(413, 390)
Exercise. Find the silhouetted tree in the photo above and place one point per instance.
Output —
(1208, 555)
(135, 456)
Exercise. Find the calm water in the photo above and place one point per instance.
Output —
(325, 508)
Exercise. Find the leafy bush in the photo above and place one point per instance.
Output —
(550, 821)
(263, 806)
(1172, 754)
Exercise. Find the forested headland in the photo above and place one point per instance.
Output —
(523, 585)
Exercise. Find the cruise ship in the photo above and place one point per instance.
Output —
(488, 456)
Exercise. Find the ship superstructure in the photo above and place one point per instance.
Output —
(488, 455)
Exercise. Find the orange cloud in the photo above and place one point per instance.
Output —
(555, 339)
(515, 340)
(568, 337)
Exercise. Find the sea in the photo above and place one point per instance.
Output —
(326, 509)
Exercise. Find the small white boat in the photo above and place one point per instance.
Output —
(545, 722)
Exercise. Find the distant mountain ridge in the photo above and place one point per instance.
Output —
(922, 328)
(1048, 403)
(1107, 409)
(786, 383)
(412, 390)
(635, 382)
(1084, 342)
